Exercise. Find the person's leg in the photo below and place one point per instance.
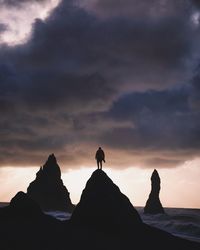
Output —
(100, 164)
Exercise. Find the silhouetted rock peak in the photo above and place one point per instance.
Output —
(48, 189)
(51, 161)
(153, 204)
(100, 180)
(155, 176)
(22, 204)
(51, 168)
(102, 205)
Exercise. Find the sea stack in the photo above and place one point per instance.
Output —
(153, 204)
(48, 189)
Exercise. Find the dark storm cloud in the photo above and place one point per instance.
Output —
(3, 27)
(196, 3)
(163, 122)
(113, 51)
(57, 90)
(67, 59)
(145, 8)
(195, 95)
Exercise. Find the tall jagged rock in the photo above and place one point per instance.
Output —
(48, 189)
(153, 204)
(103, 206)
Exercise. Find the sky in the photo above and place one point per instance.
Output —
(123, 75)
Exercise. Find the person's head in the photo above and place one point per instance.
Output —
(99, 147)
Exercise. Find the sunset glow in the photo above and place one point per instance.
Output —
(178, 186)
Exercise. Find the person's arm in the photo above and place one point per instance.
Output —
(104, 156)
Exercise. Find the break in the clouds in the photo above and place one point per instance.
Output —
(14, 3)
(86, 77)
(19, 15)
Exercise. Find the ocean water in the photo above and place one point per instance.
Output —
(182, 222)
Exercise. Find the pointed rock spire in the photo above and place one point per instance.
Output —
(153, 204)
(102, 205)
(48, 189)
(51, 168)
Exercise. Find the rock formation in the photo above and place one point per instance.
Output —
(23, 205)
(103, 219)
(25, 226)
(48, 189)
(153, 204)
(102, 205)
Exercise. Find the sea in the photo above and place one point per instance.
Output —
(182, 222)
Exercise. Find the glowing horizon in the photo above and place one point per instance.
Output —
(133, 182)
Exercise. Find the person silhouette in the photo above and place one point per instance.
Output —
(100, 156)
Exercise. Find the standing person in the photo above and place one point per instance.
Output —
(100, 156)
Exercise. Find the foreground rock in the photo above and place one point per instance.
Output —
(25, 226)
(153, 204)
(48, 189)
(22, 205)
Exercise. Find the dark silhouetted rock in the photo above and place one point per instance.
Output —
(153, 204)
(105, 219)
(102, 205)
(25, 226)
(48, 189)
(22, 204)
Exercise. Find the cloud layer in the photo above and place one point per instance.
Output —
(87, 77)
